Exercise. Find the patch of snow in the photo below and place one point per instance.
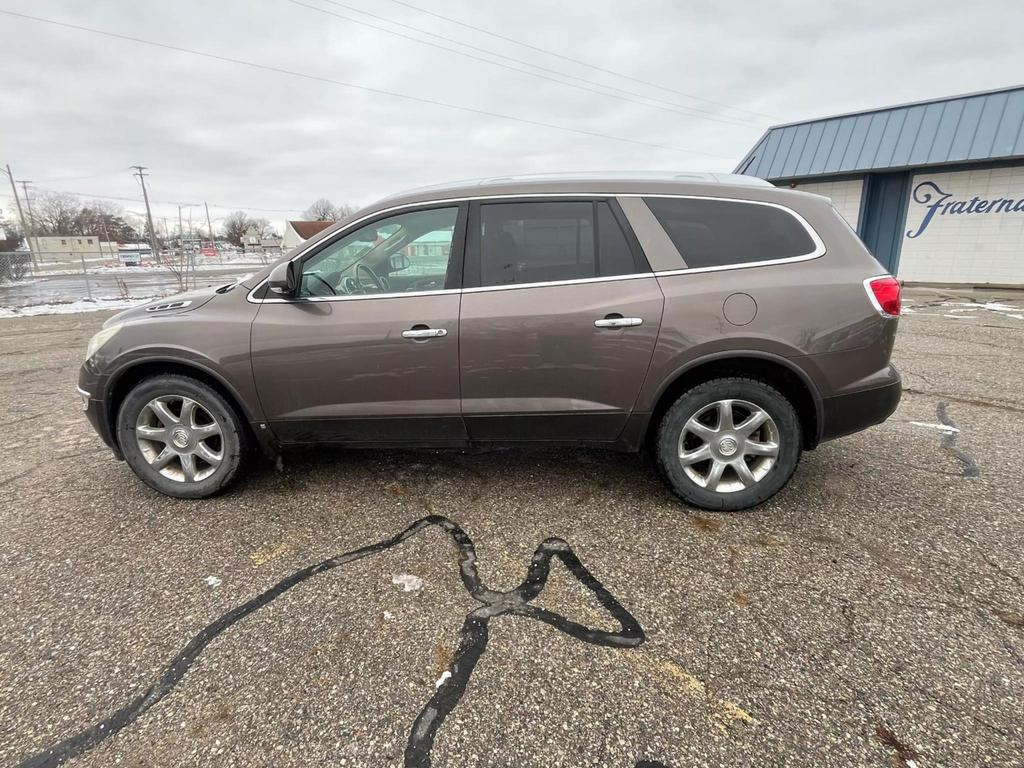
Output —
(407, 582)
(941, 427)
(442, 679)
(960, 317)
(213, 581)
(72, 307)
(1016, 317)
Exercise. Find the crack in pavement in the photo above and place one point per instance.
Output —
(449, 692)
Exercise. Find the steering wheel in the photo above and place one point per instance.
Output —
(329, 286)
(373, 277)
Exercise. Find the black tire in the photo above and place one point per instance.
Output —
(232, 440)
(789, 440)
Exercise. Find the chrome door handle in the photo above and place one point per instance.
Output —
(618, 322)
(424, 333)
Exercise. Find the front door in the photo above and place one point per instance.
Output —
(368, 351)
(560, 315)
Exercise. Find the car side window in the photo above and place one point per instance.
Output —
(536, 242)
(402, 253)
(717, 233)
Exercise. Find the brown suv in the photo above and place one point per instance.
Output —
(723, 323)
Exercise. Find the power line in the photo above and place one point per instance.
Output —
(90, 195)
(537, 48)
(622, 94)
(368, 89)
(78, 178)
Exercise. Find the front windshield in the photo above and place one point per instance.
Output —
(407, 252)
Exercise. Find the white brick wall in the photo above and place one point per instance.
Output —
(966, 247)
(845, 196)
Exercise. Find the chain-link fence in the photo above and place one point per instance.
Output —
(69, 279)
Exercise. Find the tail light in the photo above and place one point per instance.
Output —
(884, 293)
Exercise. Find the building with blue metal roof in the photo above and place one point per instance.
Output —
(934, 188)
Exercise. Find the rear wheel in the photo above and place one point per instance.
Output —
(729, 444)
(180, 436)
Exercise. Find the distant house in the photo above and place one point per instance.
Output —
(298, 232)
(251, 240)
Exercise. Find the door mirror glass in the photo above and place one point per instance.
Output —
(282, 279)
(400, 261)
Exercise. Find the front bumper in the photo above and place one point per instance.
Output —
(90, 390)
(851, 412)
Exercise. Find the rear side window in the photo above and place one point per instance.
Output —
(720, 233)
(539, 242)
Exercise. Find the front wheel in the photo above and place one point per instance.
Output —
(180, 436)
(729, 444)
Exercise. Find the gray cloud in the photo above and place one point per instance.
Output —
(77, 104)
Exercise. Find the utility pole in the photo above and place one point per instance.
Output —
(153, 243)
(21, 216)
(31, 216)
(209, 226)
(182, 264)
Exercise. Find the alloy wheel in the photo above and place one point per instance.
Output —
(179, 438)
(728, 445)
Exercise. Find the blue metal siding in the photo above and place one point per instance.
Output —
(988, 124)
(856, 143)
(785, 143)
(828, 138)
(966, 129)
(925, 139)
(1008, 133)
(886, 148)
(976, 127)
(901, 154)
(803, 163)
(872, 140)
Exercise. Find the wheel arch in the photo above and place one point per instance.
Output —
(126, 378)
(773, 370)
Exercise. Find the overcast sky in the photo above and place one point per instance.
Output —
(79, 108)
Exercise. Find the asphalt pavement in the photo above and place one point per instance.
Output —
(872, 613)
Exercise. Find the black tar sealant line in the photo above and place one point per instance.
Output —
(969, 467)
(472, 644)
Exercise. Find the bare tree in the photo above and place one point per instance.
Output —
(322, 210)
(264, 227)
(235, 226)
(54, 213)
(105, 219)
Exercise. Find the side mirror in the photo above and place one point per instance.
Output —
(399, 261)
(284, 278)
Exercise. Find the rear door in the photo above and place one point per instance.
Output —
(560, 314)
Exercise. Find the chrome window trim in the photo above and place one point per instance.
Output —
(550, 283)
(744, 265)
(819, 244)
(357, 297)
(819, 249)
